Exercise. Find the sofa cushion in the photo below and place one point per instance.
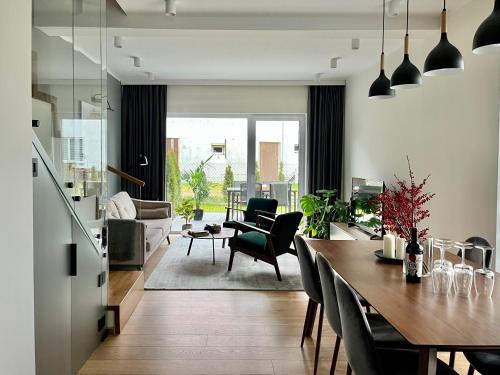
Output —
(153, 237)
(153, 213)
(162, 224)
(125, 206)
(111, 210)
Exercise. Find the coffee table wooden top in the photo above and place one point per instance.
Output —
(224, 234)
(422, 317)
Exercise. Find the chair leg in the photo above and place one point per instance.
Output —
(312, 318)
(168, 239)
(335, 355)
(471, 370)
(306, 321)
(231, 258)
(452, 360)
(278, 274)
(349, 370)
(318, 340)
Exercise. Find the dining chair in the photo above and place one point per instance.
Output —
(312, 287)
(266, 245)
(485, 362)
(384, 335)
(363, 355)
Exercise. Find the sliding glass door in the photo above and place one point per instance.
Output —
(242, 156)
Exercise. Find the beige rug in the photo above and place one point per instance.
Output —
(177, 271)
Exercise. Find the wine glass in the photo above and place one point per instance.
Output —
(442, 271)
(463, 273)
(428, 257)
(484, 279)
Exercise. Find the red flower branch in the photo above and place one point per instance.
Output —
(402, 206)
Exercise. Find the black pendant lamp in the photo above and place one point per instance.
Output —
(487, 38)
(445, 58)
(381, 87)
(407, 75)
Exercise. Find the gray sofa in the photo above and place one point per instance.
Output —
(136, 229)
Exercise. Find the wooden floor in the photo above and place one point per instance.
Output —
(216, 332)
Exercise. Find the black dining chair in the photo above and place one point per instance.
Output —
(485, 362)
(384, 335)
(360, 344)
(312, 287)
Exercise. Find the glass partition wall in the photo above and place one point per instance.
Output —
(69, 96)
(241, 155)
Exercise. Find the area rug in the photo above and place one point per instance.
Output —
(177, 271)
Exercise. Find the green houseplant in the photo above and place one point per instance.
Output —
(198, 182)
(186, 211)
(319, 211)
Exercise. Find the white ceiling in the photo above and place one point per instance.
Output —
(245, 41)
(276, 7)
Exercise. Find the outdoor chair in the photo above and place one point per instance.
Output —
(266, 245)
(281, 192)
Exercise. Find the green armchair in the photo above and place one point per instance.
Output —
(266, 245)
(256, 207)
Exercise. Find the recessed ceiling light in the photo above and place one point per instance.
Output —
(137, 61)
(151, 76)
(118, 41)
(355, 43)
(334, 62)
(317, 77)
(394, 8)
(170, 8)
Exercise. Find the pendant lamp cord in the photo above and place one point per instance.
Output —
(444, 5)
(407, 15)
(383, 28)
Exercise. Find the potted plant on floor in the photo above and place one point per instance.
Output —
(186, 211)
(198, 182)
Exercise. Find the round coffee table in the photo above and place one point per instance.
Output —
(225, 233)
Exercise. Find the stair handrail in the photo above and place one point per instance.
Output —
(126, 176)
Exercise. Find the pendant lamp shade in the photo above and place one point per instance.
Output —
(407, 75)
(445, 58)
(381, 87)
(487, 38)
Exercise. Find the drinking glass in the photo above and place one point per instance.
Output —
(463, 273)
(442, 271)
(428, 257)
(484, 279)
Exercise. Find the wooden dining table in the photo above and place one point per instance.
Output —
(429, 321)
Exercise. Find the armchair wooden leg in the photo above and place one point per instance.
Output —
(306, 321)
(278, 274)
(231, 258)
(335, 355)
(452, 360)
(318, 339)
(471, 370)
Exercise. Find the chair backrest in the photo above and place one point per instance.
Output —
(358, 340)
(476, 255)
(279, 191)
(261, 204)
(284, 228)
(308, 270)
(327, 282)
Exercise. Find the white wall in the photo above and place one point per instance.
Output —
(448, 128)
(237, 99)
(17, 352)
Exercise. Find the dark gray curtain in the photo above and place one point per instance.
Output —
(326, 137)
(144, 121)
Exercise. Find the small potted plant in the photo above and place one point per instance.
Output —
(198, 182)
(186, 211)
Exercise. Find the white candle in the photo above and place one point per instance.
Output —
(400, 248)
(389, 246)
